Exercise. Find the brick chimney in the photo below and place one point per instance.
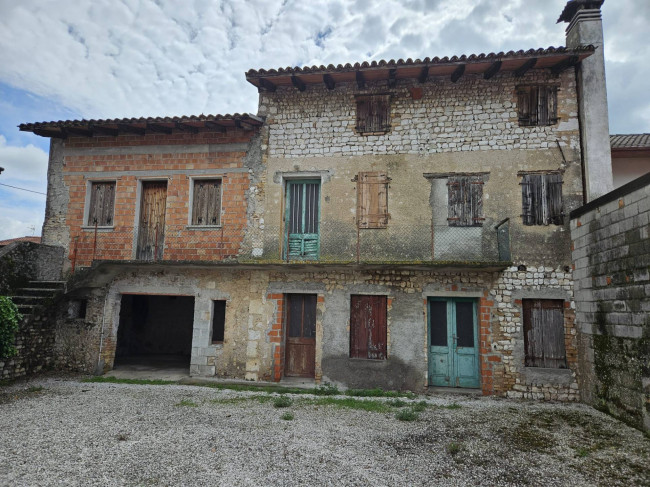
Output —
(586, 27)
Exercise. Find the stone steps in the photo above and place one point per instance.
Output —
(38, 293)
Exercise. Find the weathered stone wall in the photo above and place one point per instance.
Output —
(21, 262)
(35, 347)
(611, 253)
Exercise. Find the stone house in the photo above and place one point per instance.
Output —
(397, 224)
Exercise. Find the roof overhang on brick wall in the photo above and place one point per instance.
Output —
(142, 126)
(556, 59)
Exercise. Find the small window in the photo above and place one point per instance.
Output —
(368, 334)
(206, 204)
(372, 200)
(541, 199)
(102, 201)
(373, 114)
(465, 203)
(537, 105)
(218, 321)
(544, 333)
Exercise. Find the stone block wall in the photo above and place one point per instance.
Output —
(611, 254)
(21, 262)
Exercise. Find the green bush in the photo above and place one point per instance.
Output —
(9, 319)
(282, 402)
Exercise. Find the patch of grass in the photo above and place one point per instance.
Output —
(351, 403)
(527, 437)
(326, 389)
(420, 406)
(406, 415)
(397, 403)
(287, 416)
(582, 452)
(115, 380)
(282, 402)
(122, 437)
(35, 389)
(187, 403)
(378, 392)
(452, 406)
(453, 448)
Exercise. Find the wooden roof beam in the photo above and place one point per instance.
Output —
(361, 80)
(523, 69)
(424, 74)
(458, 72)
(79, 131)
(187, 128)
(298, 83)
(494, 68)
(267, 85)
(215, 126)
(130, 129)
(329, 81)
(565, 64)
(162, 129)
(102, 130)
(51, 133)
(392, 78)
(243, 125)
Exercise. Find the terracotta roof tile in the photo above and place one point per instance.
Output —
(629, 141)
(20, 239)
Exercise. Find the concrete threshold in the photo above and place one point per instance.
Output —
(432, 391)
(297, 382)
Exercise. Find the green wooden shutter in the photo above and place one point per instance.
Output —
(302, 220)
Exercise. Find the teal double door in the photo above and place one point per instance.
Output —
(453, 342)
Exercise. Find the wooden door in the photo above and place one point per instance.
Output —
(368, 332)
(301, 335)
(151, 229)
(453, 343)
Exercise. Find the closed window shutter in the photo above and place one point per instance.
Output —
(455, 201)
(544, 333)
(554, 199)
(373, 113)
(465, 201)
(475, 215)
(368, 330)
(102, 200)
(303, 238)
(372, 199)
(551, 100)
(527, 199)
(206, 207)
(363, 112)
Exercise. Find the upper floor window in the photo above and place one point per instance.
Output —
(372, 199)
(541, 198)
(373, 114)
(302, 238)
(101, 203)
(537, 105)
(206, 202)
(465, 202)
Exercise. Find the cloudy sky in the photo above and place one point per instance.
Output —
(65, 59)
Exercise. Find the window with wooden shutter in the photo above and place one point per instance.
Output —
(537, 105)
(544, 333)
(372, 199)
(368, 332)
(101, 204)
(465, 201)
(302, 219)
(373, 114)
(206, 204)
(541, 199)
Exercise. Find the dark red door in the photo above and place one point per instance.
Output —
(301, 335)
(368, 337)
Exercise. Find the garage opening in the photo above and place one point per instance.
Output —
(155, 332)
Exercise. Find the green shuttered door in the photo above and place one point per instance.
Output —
(302, 220)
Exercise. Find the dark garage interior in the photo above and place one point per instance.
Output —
(155, 331)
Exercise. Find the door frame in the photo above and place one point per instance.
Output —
(461, 297)
(138, 205)
(287, 298)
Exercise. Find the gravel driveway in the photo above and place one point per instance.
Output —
(67, 432)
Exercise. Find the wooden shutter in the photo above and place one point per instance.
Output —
(555, 214)
(368, 334)
(551, 101)
(523, 105)
(465, 201)
(373, 113)
(102, 201)
(528, 188)
(544, 333)
(372, 199)
(206, 207)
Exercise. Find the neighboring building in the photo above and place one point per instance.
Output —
(4, 243)
(398, 224)
(630, 157)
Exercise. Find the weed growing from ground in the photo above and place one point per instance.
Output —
(122, 437)
(326, 389)
(397, 403)
(282, 402)
(351, 403)
(453, 448)
(35, 389)
(287, 416)
(406, 415)
(420, 406)
(582, 452)
(187, 403)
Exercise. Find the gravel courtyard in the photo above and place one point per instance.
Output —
(67, 432)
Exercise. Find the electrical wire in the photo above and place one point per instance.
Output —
(23, 189)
